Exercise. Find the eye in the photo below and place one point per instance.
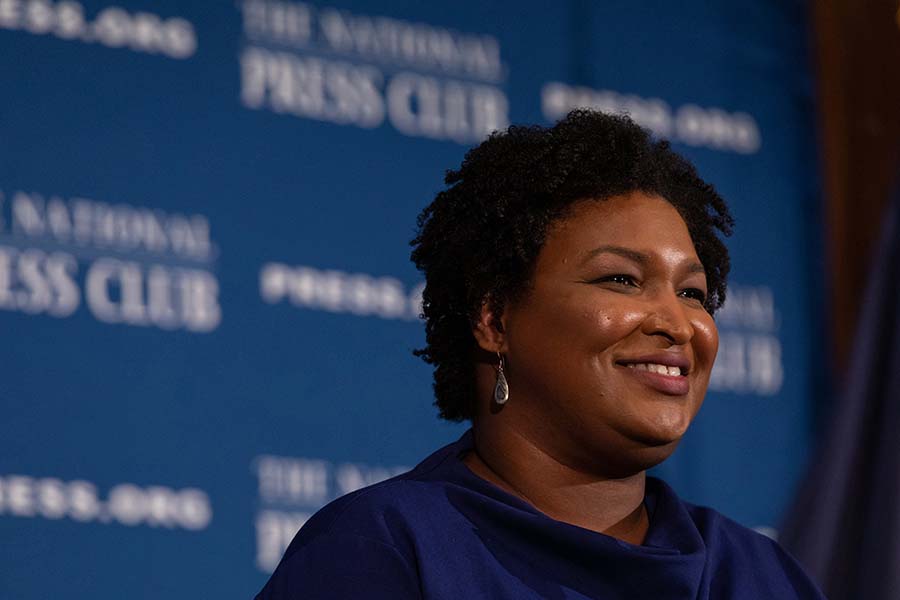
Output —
(694, 294)
(618, 278)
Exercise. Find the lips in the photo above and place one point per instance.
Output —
(664, 373)
(666, 359)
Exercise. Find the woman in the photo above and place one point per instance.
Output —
(571, 278)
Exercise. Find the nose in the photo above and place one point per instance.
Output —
(666, 317)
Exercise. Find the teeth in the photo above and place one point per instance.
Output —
(656, 368)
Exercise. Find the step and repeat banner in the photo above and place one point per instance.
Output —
(206, 302)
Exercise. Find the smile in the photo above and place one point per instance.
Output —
(657, 368)
(666, 379)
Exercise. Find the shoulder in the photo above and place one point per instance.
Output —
(339, 565)
(386, 511)
(365, 538)
(383, 512)
(722, 531)
(740, 556)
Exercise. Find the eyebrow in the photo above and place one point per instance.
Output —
(634, 255)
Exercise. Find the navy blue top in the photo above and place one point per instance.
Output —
(441, 532)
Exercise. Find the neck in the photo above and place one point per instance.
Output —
(510, 460)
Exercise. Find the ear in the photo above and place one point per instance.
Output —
(489, 331)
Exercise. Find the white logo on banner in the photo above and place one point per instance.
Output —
(347, 68)
(688, 124)
(113, 26)
(291, 489)
(749, 359)
(336, 291)
(143, 267)
(126, 504)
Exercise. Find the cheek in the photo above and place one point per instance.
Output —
(613, 323)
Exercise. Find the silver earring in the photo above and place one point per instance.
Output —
(501, 390)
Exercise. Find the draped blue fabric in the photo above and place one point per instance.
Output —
(441, 532)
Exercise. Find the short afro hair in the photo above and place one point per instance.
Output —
(479, 239)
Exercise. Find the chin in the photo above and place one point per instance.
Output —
(640, 457)
(658, 439)
(652, 444)
(663, 427)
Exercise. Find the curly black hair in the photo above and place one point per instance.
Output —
(479, 239)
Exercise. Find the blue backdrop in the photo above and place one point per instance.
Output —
(206, 301)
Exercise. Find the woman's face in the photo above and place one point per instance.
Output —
(609, 353)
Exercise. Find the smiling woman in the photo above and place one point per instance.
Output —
(590, 313)
(572, 274)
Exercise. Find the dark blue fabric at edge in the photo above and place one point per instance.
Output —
(441, 532)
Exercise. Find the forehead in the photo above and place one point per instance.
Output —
(646, 223)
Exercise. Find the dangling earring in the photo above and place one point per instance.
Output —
(501, 390)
